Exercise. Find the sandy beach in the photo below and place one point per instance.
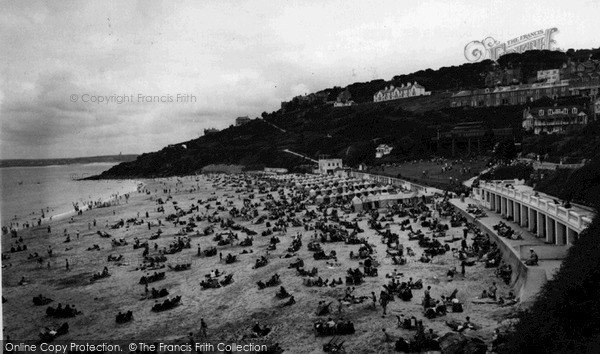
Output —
(231, 310)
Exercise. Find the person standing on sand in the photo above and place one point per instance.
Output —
(427, 299)
(203, 327)
(191, 341)
(384, 302)
(94, 222)
(374, 299)
(67, 264)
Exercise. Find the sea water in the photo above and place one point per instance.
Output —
(26, 191)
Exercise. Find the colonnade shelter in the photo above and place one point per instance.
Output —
(539, 213)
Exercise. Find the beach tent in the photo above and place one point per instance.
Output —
(374, 201)
(358, 204)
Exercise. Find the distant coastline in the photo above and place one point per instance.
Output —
(66, 161)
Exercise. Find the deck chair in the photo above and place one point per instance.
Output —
(335, 345)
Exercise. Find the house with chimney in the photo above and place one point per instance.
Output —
(241, 121)
(405, 91)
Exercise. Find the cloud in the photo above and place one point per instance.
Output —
(236, 58)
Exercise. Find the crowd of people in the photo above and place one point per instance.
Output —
(287, 212)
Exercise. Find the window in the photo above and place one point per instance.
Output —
(565, 111)
(541, 113)
(550, 112)
(574, 110)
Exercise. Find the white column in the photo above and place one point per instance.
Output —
(539, 224)
(571, 236)
(560, 233)
(532, 218)
(550, 234)
(524, 216)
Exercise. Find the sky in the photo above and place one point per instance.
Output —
(87, 78)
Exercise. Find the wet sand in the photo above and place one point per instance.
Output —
(229, 311)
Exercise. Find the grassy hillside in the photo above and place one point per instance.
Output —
(351, 133)
(411, 125)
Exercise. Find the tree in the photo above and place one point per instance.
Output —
(505, 150)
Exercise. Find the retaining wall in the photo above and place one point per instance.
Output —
(544, 251)
(526, 281)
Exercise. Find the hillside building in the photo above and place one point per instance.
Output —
(344, 99)
(572, 79)
(210, 131)
(467, 137)
(503, 77)
(328, 166)
(555, 119)
(510, 95)
(394, 93)
(382, 150)
(548, 76)
(241, 121)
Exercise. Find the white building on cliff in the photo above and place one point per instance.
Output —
(394, 93)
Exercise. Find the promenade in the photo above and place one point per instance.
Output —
(527, 281)
(529, 240)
